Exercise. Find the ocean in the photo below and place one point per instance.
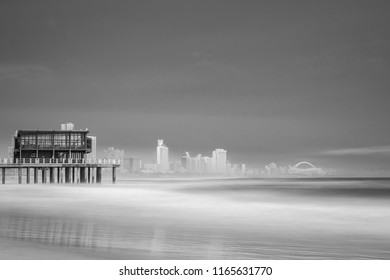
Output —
(232, 218)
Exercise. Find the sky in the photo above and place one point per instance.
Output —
(269, 81)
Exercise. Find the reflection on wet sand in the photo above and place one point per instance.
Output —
(77, 233)
(53, 231)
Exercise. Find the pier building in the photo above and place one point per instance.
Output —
(51, 144)
(62, 150)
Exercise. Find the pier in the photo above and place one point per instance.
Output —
(59, 170)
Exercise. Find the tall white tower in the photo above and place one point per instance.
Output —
(219, 161)
(162, 156)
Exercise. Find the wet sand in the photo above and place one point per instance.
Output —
(197, 219)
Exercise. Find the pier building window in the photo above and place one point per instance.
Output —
(61, 140)
(77, 140)
(28, 141)
(45, 140)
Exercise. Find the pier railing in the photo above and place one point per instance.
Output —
(58, 161)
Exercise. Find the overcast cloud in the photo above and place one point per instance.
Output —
(270, 81)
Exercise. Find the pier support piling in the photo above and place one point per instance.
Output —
(67, 175)
(51, 171)
(43, 175)
(82, 175)
(113, 174)
(58, 175)
(3, 175)
(98, 175)
(27, 175)
(35, 175)
(19, 175)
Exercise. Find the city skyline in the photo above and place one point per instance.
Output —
(216, 164)
(276, 81)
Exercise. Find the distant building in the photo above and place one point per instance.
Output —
(11, 152)
(117, 154)
(235, 169)
(51, 144)
(112, 153)
(219, 161)
(149, 168)
(304, 168)
(216, 164)
(272, 169)
(229, 168)
(190, 164)
(185, 161)
(175, 166)
(201, 164)
(132, 165)
(243, 169)
(162, 156)
(209, 165)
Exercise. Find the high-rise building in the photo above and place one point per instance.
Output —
(209, 164)
(186, 162)
(202, 164)
(162, 156)
(219, 161)
(197, 163)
